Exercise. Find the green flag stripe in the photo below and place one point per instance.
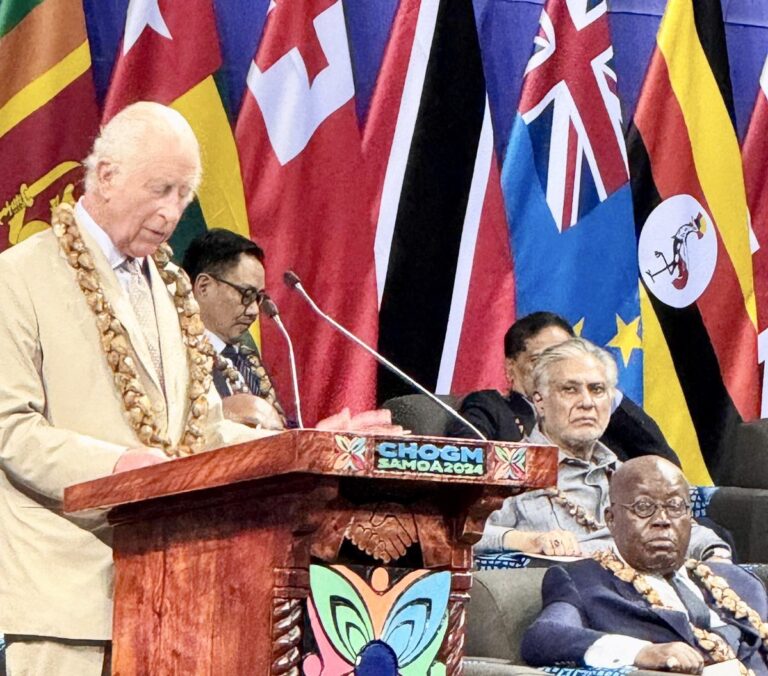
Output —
(13, 11)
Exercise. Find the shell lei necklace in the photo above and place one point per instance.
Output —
(234, 378)
(727, 599)
(579, 514)
(116, 345)
(712, 643)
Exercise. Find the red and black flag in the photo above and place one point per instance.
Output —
(48, 113)
(443, 262)
(697, 298)
(755, 156)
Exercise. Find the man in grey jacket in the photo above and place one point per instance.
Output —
(574, 384)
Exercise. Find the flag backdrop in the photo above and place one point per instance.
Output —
(308, 196)
(400, 175)
(441, 232)
(169, 53)
(566, 187)
(690, 209)
(755, 159)
(48, 113)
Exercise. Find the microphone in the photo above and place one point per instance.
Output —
(269, 308)
(292, 281)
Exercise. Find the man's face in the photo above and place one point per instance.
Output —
(221, 306)
(575, 407)
(519, 369)
(144, 198)
(658, 543)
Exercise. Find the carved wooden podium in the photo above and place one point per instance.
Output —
(307, 552)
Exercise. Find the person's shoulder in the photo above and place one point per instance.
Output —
(736, 573)
(483, 397)
(583, 569)
(32, 253)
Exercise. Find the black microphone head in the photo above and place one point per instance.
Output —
(291, 279)
(269, 308)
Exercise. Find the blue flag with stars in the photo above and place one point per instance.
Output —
(566, 187)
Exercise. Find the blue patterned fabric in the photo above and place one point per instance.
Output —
(584, 671)
(501, 559)
(700, 499)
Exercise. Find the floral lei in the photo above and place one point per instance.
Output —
(116, 346)
(724, 596)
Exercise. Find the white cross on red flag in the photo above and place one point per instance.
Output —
(308, 201)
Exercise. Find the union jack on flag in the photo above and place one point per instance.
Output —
(571, 106)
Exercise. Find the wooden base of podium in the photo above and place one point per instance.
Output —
(213, 552)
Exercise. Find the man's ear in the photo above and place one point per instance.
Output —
(509, 372)
(105, 178)
(202, 286)
(608, 516)
(538, 402)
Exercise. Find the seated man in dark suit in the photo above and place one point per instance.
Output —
(630, 432)
(227, 273)
(641, 603)
(228, 277)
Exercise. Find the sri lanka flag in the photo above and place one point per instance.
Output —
(566, 187)
(48, 114)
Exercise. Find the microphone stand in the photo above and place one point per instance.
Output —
(292, 280)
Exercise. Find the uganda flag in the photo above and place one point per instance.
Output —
(697, 298)
(48, 113)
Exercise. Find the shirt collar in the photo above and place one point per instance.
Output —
(681, 571)
(114, 256)
(218, 343)
(602, 456)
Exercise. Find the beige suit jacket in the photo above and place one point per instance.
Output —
(62, 422)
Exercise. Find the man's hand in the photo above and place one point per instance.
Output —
(248, 409)
(141, 456)
(678, 657)
(549, 543)
(378, 421)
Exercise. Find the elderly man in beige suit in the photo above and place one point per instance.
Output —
(103, 369)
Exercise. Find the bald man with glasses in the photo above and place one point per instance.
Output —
(640, 603)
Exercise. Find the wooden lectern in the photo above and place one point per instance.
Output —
(242, 560)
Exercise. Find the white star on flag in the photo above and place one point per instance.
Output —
(143, 13)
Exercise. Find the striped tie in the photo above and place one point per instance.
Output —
(140, 296)
(248, 363)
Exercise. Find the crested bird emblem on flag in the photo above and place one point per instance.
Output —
(678, 264)
(681, 235)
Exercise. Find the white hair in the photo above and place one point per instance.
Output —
(570, 349)
(125, 138)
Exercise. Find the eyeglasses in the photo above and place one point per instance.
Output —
(248, 294)
(645, 509)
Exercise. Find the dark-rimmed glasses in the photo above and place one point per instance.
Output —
(645, 508)
(248, 294)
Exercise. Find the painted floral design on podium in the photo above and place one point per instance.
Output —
(376, 627)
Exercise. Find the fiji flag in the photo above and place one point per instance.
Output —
(566, 187)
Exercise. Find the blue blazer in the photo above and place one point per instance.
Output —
(582, 602)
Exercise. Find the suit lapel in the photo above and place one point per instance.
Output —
(173, 351)
(677, 621)
(125, 314)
